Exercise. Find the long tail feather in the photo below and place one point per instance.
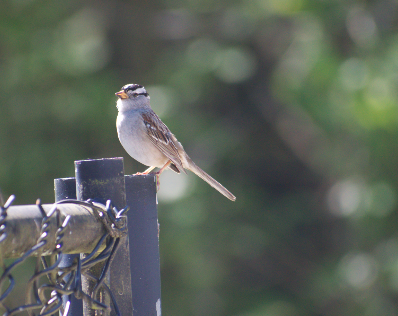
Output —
(212, 182)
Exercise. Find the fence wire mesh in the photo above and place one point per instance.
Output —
(49, 282)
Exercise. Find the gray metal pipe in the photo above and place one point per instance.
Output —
(24, 227)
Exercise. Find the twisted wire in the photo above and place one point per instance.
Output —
(61, 280)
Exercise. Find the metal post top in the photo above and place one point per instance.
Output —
(100, 159)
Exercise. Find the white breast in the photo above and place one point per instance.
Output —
(134, 139)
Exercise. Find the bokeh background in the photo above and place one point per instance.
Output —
(291, 104)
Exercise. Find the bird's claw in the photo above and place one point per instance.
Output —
(140, 174)
(157, 182)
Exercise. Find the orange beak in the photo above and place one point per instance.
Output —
(121, 94)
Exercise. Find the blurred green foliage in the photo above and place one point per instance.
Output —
(291, 104)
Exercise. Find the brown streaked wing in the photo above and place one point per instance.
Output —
(160, 136)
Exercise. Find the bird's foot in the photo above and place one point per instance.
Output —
(157, 181)
(147, 171)
(156, 174)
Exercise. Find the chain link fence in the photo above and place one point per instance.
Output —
(74, 242)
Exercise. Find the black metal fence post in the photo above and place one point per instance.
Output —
(66, 229)
(144, 244)
(104, 178)
(65, 188)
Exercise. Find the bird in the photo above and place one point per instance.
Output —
(149, 141)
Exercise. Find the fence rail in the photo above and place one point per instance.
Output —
(24, 223)
(76, 240)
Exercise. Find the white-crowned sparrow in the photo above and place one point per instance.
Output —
(148, 140)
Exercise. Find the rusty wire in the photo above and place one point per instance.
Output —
(46, 298)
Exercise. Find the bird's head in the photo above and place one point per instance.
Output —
(132, 96)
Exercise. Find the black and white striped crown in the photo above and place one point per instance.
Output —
(133, 89)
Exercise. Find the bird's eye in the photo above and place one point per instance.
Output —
(130, 92)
